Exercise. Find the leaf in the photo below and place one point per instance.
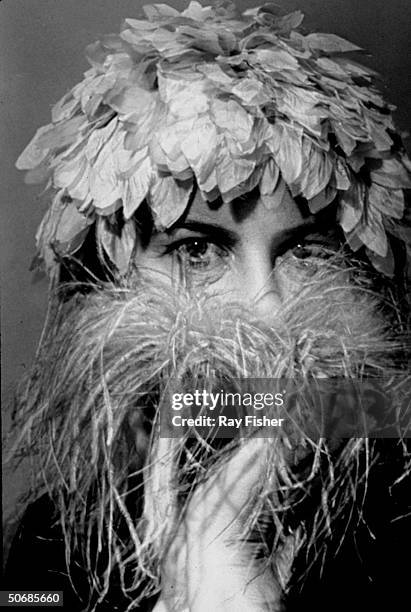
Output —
(158, 11)
(205, 40)
(130, 99)
(39, 174)
(286, 146)
(304, 106)
(385, 265)
(185, 99)
(372, 232)
(171, 136)
(251, 92)
(346, 141)
(231, 171)
(332, 68)
(94, 92)
(158, 156)
(197, 12)
(106, 186)
(167, 43)
(341, 174)
(79, 188)
(136, 187)
(329, 43)
(317, 170)
(130, 161)
(62, 134)
(209, 187)
(393, 174)
(354, 241)
(322, 199)
(168, 200)
(390, 202)
(35, 152)
(227, 40)
(274, 199)
(70, 230)
(119, 244)
(380, 138)
(290, 22)
(351, 207)
(214, 73)
(200, 149)
(141, 24)
(275, 60)
(245, 187)
(270, 177)
(64, 108)
(45, 235)
(232, 117)
(355, 68)
(67, 172)
(376, 241)
(98, 138)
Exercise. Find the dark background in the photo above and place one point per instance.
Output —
(41, 57)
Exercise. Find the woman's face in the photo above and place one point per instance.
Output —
(242, 250)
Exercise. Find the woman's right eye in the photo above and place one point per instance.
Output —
(200, 259)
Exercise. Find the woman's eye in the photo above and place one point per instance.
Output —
(306, 258)
(200, 259)
(306, 250)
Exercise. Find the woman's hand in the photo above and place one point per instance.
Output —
(207, 566)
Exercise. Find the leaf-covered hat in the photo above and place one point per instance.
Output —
(230, 102)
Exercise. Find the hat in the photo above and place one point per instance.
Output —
(228, 102)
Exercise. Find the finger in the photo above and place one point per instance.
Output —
(218, 504)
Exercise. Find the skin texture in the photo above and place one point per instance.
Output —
(206, 566)
(258, 257)
(241, 251)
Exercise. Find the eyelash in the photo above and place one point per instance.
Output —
(302, 252)
(222, 253)
(306, 250)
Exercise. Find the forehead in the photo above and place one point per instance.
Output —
(249, 213)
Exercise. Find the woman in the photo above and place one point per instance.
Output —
(227, 205)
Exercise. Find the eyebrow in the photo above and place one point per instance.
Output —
(218, 232)
(231, 237)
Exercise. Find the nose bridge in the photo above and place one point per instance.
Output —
(259, 289)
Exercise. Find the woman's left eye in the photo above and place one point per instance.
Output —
(304, 250)
(304, 259)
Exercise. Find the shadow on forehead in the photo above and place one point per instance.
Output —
(240, 209)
